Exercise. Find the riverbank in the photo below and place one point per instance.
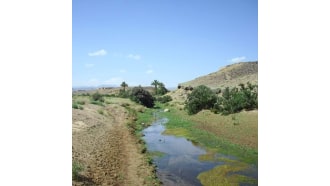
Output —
(235, 134)
(105, 150)
(231, 140)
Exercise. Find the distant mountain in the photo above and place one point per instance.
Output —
(83, 88)
(228, 76)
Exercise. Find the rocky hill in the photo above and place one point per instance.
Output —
(230, 75)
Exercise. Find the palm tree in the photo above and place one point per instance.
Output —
(123, 84)
(155, 83)
(162, 89)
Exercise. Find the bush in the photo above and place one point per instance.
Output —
(81, 102)
(123, 93)
(200, 98)
(97, 103)
(100, 112)
(164, 99)
(76, 106)
(97, 97)
(162, 90)
(235, 100)
(85, 94)
(76, 169)
(142, 96)
(189, 88)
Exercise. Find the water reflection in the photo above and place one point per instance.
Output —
(180, 164)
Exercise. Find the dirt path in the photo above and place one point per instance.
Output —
(102, 143)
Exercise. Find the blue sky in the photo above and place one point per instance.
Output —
(172, 41)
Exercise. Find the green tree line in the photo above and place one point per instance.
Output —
(231, 100)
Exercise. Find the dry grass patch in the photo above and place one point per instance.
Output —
(240, 128)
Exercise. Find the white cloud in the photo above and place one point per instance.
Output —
(149, 71)
(238, 59)
(98, 53)
(114, 81)
(89, 65)
(135, 57)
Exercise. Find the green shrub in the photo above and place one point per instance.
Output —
(97, 103)
(76, 106)
(200, 98)
(76, 169)
(123, 93)
(162, 89)
(85, 94)
(100, 112)
(164, 99)
(97, 97)
(235, 100)
(80, 102)
(142, 96)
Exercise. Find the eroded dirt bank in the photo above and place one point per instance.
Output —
(103, 144)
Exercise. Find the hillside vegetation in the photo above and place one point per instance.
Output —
(228, 76)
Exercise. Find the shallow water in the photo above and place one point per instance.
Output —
(180, 164)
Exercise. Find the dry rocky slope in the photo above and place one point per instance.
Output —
(228, 76)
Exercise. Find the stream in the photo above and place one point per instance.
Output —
(179, 163)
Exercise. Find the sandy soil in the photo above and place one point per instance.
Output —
(103, 144)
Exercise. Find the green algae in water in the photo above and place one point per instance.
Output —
(224, 175)
(181, 132)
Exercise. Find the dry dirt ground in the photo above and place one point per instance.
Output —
(103, 144)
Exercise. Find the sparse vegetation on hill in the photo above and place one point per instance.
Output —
(229, 76)
(97, 97)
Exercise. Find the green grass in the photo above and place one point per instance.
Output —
(100, 112)
(97, 103)
(224, 175)
(81, 102)
(76, 169)
(180, 124)
(145, 118)
(240, 128)
(77, 106)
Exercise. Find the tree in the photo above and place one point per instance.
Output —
(161, 88)
(142, 96)
(155, 83)
(124, 84)
(235, 100)
(202, 97)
